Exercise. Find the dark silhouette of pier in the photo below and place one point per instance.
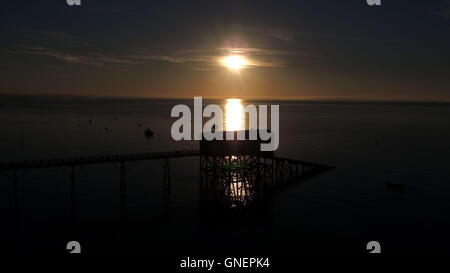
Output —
(89, 160)
(11, 171)
(235, 180)
(242, 182)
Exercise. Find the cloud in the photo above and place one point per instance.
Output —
(70, 49)
(200, 57)
(281, 35)
(256, 57)
(444, 13)
(62, 56)
(275, 33)
(261, 51)
(270, 32)
(45, 35)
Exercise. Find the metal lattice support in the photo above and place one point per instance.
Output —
(16, 199)
(123, 192)
(238, 180)
(166, 177)
(73, 196)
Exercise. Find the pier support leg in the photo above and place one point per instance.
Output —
(166, 178)
(73, 196)
(274, 172)
(258, 172)
(16, 200)
(123, 192)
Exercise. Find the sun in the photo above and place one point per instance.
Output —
(234, 62)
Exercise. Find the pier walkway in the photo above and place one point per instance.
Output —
(86, 160)
(216, 172)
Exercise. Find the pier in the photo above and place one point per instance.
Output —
(75, 161)
(227, 178)
(264, 166)
(243, 181)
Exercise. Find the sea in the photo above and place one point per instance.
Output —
(390, 182)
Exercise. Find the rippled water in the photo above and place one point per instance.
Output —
(370, 144)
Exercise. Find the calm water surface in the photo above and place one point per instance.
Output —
(370, 144)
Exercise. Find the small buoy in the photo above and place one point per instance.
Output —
(139, 125)
(106, 128)
(148, 133)
(115, 118)
(90, 121)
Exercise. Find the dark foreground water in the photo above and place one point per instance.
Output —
(370, 144)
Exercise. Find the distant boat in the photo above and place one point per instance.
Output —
(148, 133)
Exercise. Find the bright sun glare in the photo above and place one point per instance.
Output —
(234, 62)
(234, 115)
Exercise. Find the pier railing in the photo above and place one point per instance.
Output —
(86, 160)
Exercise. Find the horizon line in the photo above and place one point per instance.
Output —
(324, 99)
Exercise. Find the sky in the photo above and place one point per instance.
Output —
(173, 49)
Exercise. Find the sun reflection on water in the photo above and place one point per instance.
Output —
(234, 115)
